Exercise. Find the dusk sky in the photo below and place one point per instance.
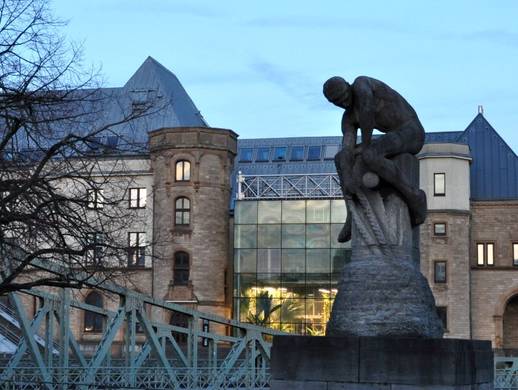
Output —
(257, 67)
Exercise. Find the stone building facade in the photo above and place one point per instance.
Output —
(187, 176)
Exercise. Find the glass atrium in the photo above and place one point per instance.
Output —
(287, 262)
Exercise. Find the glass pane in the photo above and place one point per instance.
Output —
(318, 286)
(439, 229)
(293, 261)
(293, 211)
(245, 236)
(263, 154)
(244, 308)
(338, 211)
(269, 260)
(318, 310)
(279, 154)
(440, 272)
(313, 153)
(318, 260)
(133, 197)
(480, 254)
(292, 311)
(318, 211)
(515, 254)
(293, 236)
(142, 197)
(186, 170)
(179, 169)
(339, 257)
(269, 282)
(269, 211)
(490, 254)
(330, 151)
(246, 284)
(269, 236)
(335, 231)
(246, 155)
(439, 184)
(245, 260)
(293, 285)
(246, 212)
(318, 235)
(297, 153)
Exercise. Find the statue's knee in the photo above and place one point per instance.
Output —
(371, 158)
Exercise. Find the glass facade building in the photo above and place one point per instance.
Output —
(287, 262)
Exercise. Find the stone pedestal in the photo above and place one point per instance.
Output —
(380, 363)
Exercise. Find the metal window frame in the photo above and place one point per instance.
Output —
(138, 199)
(137, 248)
(435, 193)
(182, 177)
(435, 278)
(183, 210)
(445, 229)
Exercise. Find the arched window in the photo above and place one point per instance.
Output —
(183, 170)
(94, 322)
(182, 211)
(181, 269)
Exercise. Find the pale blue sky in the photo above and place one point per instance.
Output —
(257, 67)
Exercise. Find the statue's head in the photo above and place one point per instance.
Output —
(338, 92)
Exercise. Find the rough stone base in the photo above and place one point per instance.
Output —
(380, 363)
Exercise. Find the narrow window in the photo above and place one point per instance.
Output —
(439, 229)
(480, 254)
(314, 153)
(490, 254)
(263, 155)
(136, 249)
(183, 170)
(180, 320)
(442, 312)
(93, 322)
(181, 269)
(279, 154)
(439, 272)
(245, 155)
(515, 253)
(182, 211)
(94, 248)
(137, 198)
(95, 199)
(297, 153)
(439, 184)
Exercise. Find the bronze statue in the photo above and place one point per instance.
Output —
(371, 104)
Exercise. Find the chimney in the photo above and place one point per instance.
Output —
(481, 109)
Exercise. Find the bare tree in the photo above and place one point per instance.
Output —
(57, 226)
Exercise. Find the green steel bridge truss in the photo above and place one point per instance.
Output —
(213, 353)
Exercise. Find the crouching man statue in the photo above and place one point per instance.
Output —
(382, 291)
(371, 104)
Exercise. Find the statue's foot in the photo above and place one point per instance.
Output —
(345, 233)
(418, 208)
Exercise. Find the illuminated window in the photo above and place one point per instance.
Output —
(93, 322)
(314, 153)
(95, 199)
(181, 269)
(439, 184)
(442, 312)
(182, 211)
(263, 155)
(136, 249)
(439, 274)
(485, 253)
(279, 154)
(439, 229)
(183, 170)
(137, 198)
(297, 153)
(515, 253)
